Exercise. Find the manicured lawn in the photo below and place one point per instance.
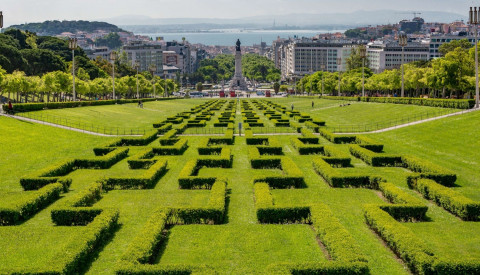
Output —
(240, 245)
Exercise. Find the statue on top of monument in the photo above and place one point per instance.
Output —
(238, 45)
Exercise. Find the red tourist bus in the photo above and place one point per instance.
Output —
(222, 94)
(232, 94)
(268, 94)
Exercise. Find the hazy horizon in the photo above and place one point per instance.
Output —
(28, 11)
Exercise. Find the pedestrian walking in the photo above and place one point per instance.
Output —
(313, 104)
(292, 106)
(10, 108)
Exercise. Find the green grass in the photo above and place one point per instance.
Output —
(125, 116)
(233, 250)
(361, 116)
(240, 245)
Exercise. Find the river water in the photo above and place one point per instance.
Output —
(229, 37)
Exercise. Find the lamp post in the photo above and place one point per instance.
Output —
(402, 41)
(474, 19)
(339, 64)
(1, 21)
(153, 70)
(323, 77)
(137, 66)
(72, 45)
(113, 57)
(165, 93)
(363, 55)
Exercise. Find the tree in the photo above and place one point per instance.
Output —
(112, 41)
(276, 87)
(355, 61)
(41, 61)
(452, 45)
(199, 86)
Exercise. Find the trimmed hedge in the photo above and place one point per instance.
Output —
(164, 128)
(369, 144)
(76, 255)
(136, 141)
(430, 171)
(252, 140)
(307, 149)
(337, 139)
(432, 102)
(146, 181)
(412, 250)
(452, 201)
(188, 178)
(29, 204)
(340, 244)
(339, 180)
(375, 159)
(27, 107)
(327, 268)
(52, 173)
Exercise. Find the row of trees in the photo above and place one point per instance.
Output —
(57, 86)
(452, 75)
(222, 67)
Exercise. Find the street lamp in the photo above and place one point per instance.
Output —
(402, 41)
(113, 57)
(137, 66)
(153, 70)
(165, 92)
(474, 19)
(1, 21)
(339, 64)
(72, 45)
(323, 77)
(363, 55)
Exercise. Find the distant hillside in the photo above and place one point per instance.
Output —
(57, 27)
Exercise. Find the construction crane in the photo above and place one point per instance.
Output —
(415, 13)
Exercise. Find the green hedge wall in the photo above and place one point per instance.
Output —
(339, 180)
(147, 180)
(375, 159)
(447, 198)
(337, 139)
(429, 170)
(27, 107)
(432, 102)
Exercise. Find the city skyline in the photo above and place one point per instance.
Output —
(22, 11)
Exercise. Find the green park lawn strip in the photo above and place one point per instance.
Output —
(361, 114)
(27, 147)
(122, 116)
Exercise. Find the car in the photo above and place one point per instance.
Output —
(196, 95)
(260, 93)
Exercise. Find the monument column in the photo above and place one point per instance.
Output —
(238, 81)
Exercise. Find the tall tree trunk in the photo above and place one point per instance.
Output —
(443, 92)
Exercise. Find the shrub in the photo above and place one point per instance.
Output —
(429, 170)
(447, 198)
(307, 149)
(136, 141)
(340, 244)
(337, 179)
(400, 239)
(375, 159)
(29, 204)
(328, 267)
(147, 180)
(369, 144)
(76, 254)
(338, 139)
(164, 128)
(433, 102)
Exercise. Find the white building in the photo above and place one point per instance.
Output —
(302, 57)
(147, 55)
(386, 56)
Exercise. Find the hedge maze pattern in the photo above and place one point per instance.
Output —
(149, 158)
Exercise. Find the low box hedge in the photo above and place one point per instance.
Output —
(429, 170)
(336, 179)
(337, 139)
(375, 159)
(30, 203)
(450, 200)
(145, 181)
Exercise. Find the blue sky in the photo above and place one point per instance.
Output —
(21, 11)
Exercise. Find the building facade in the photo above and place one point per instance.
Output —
(437, 41)
(147, 55)
(387, 56)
